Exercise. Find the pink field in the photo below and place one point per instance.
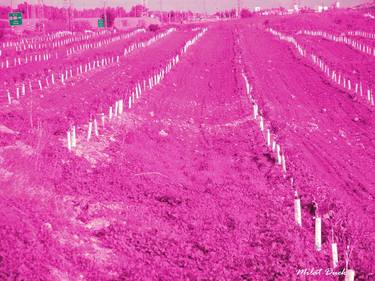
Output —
(196, 178)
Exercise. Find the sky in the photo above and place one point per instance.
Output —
(193, 5)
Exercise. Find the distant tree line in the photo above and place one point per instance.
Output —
(55, 13)
(244, 13)
(227, 14)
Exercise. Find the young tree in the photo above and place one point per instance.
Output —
(138, 11)
(110, 18)
(245, 13)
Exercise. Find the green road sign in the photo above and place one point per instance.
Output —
(100, 23)
(15, 18)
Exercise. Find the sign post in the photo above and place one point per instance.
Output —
(15, 18)
(100, 23)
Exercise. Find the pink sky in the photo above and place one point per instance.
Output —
(194, 5)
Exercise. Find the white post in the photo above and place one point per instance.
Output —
(89, 131)
(335, 259)
(103, 120)
(110, 113)
(96, 128)
(268, 138)
(278, 154)
(318, 233)
(9, 98)
(120, 107)
(255, 111)
(69, 141)
(116, 108)
(261, 124)
(74, 139)
(350, 275)
(297, 210)
(283, 163)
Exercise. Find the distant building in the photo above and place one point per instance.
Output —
(322, 9)
(257, 9)
(129, 22)
(275, 11)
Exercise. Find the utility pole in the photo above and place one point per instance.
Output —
(70, 15)
(238, 8)
(67, 4)
(11, 10)
(144, 4)
(161, 8)
(105, 15)
(27, 12)
(41, 15)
